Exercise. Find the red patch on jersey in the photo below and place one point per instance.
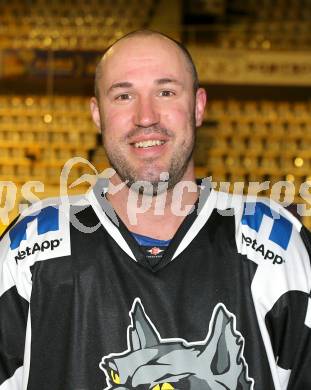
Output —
(155, 251)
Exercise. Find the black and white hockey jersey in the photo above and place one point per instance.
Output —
(227, 306)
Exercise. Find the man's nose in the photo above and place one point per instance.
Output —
(146, 113)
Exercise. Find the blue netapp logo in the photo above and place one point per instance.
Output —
(47, 222)
(281, 230)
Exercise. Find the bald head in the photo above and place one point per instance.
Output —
(144, 34)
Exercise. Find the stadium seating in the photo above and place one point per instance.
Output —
(38, 135)
(64, 24)
(256, 141)
(260, 25)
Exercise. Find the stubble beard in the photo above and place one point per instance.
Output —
(150, 183)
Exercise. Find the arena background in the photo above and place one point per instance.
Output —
(253, 57)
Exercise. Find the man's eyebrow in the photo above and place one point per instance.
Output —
(127, 84)
(167, 80)
(122, 84)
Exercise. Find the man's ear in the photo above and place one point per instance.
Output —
(200, 102)
(95, 112)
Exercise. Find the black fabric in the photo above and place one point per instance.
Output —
(90, 293)
(290, 337)
(306, 237)
(285, 322)
(13, 321)
(82, 304)
(292, 343)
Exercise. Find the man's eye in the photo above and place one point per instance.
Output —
(123, 96)
(167, 93)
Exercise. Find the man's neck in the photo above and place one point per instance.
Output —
(155, 216)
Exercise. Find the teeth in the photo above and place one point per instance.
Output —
(147, 144)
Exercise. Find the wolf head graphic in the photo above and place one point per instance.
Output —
(153, 363)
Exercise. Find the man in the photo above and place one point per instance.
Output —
(194, 290)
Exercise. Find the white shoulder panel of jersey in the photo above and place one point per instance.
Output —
(269, 235)
(41, 232)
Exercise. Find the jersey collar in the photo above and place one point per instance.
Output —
(185, 234)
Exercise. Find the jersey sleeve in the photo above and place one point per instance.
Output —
(13, 321)
(276, 242)
(289, 326)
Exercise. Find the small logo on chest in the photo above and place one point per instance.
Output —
(155, 251)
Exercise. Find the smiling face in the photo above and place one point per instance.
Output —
(147, 110)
